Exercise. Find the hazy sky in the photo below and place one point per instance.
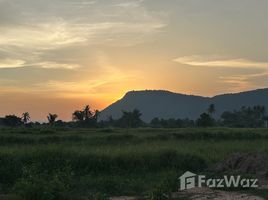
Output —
(58, 55)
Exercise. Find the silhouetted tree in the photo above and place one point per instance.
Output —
(85, 117)
(265, 122)
(60, 123)
(25, 117)
(231, 119)
(211, 109)
(52, 118)
(2, 121)
(96, 115)
(78, 115)
(130, 119)
(172, 123)
(136, 118)
(205, 120)
(87, 113)
(259, 111)
(245, 117)
(155, 122)
(12, 120)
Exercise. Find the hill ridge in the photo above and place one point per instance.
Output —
(166, 104)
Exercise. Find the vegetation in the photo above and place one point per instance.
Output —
(205, 120)
(52, 118)
(211, 109)
(130, 119)
(172, 123)
(86, 117)
(12, 120)
(246, 117)
(25, 117)
(67, 160)
(59, 163)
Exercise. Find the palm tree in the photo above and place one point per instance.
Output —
(260, 110)
(87, 113)
(52, 118)
(25, 117)
(96, 115)
(211, 109)
(131, 119)
(78, 115)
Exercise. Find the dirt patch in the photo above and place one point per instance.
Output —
(124, 198)
(247, 163)
(244, 163)
(203, 194)
(255, 164)
(206, 193)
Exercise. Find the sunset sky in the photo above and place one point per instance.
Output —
(59, 55)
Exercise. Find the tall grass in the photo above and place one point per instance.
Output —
(113, 162)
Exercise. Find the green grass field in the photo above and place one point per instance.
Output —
(55, 163)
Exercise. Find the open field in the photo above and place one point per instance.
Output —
(98, 163)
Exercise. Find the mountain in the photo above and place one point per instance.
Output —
(165, 104)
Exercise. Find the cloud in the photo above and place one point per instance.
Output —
(79, 22)
(239, 80)
(81, 4)
(11, 63)
(40, 36)
(220, 62)
(242, 82)
(33, 30)
(54, 65)
(129, 4)
(104, 84)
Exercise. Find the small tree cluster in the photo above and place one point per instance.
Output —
(86, 117)
(172, 123)
(129, 119)
(245, 117)
(206, 119)
(13, 120)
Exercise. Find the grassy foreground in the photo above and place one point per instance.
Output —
(50, 164)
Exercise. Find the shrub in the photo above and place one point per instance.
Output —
(10, 170)
(35, 185)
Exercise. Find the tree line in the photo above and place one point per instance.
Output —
(84, 117)
(245, 117)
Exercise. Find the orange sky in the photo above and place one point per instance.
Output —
(59, 55)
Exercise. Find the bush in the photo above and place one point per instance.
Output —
(10, 170)
(35, 185)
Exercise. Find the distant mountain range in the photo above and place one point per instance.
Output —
(165, 104)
